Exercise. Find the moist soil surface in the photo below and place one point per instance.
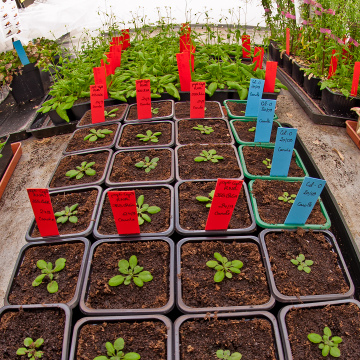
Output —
(193, 214)
(274, 211)
(236, 108)
(160, 221)
(343, 320)
(22, 292)
(78, 143)
(227, 168)
(242, 129)
(199, 290)
(129, 131)
(119, 114)
(86, 200)
(188, 135)
(153, 256)
(72, 161)
(165, 109)
(17, 325)
(147, 338)
(254, 157)
(201, 338)
(213, 110)
(124, 169)
(326, 276)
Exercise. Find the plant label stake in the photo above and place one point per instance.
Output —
(305, 200)
(284, 146)
(100, 78)
(21, 52)
(270, 76)
(43, 211)
(123, 206)
(190, 54)
(356, 76)
(287, 41)
(246, 46)
(184, 71)
(255, 94)
(97, 103)
(197, 100)
(223, 204)
(185, 39)
(333, 64)
(143, 99)
(265, 120)
(126, 38)
(258, 57)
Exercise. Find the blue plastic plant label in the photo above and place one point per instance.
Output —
(305, 200)
(21, 52)
(284, 146)
(265, 119)
(255, 94)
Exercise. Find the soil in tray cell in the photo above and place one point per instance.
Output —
(164, 109)
(147, 338)
(182, 110)
(242, 129)
(119, 113)
(236, 108)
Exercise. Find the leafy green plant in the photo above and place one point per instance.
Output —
(142, 208)
(131, 270)
(31, 349)
(48, 270)
(224, 268)
(267, 162)
(252, 129)
(302, 264)
(67, 214)
(95, 134)
(287, 198)
(115, 352)
(111, 113)
(208, 155)
(326, 344)
(208, 200)
(84, 168)
(2, 144)
(225, 354)
(149, 136)
(204, 129)
(148, 164)
(155, 111)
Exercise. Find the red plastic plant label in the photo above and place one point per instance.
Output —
(246, 46)
(100, 78)
(223, 204)
(258, 57)
(123, 206)
(356, 77)
(143, 99)
(197, 100)
(333, 64)
(270, 76)
(126, 38)
(190, 54)
(183, 64)
(287, 41)
(43, 211)
(97, 103)
(185, 40)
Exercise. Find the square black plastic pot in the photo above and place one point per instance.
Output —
(75, 300)
(309, 298)
(276, 53)
(84, 233)
(312, 87)
(140, 311)
(287, 63)
(222, 116)
(297, 74)
(6, 155)
(105, 319)
(153, 104)
(78, 110)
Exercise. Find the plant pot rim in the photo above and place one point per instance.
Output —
(351, 130)
(238, 117)
(205, 118)
(350, 97)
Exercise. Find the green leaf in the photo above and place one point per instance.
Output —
(140, 200)
(228, 275)
(145, 276)
(307, 269)
(116, 280)
(93, 138)
(106, 131)
(199, 159)
(73, 219)
(140, 164)
(218, 257)
(28, 341)
(220, 354)
(335, 352)
(52, 287)
(123, 266)
(138, 282)
(87, 137)
(38, 280)
(325, 351)
(327, 331)
(237, 264)
(131, 356)
(72, 173)
(41, 264)
(137, 269)
(212, 263)
(153, 209)
(235, 270)
(309, 262)
(140, 220)
(90, 172)
(146, 217)
(219, 276)
(336, 339)
(133, 261)
(212, 88)
(235, 356)
(315, 338)
(110, 348)
(119, 344)
(79, 175)
(39, 342)
(295, 262)
(22, 351)
(101, 358)
(59, 264)
(63, 114)
(202, 198)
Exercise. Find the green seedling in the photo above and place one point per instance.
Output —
(252, 129)
(142, 208)
(48, 270)
(84, 168)
(154, 111)
(225, 268)
(326, 344)
(31, 349)
(1, 146)
(96, 134)
(225, 354)
(115, 352)
(148, 164)
(149, 136)
(302, 264)
(287, 198)
(131, 270)
(204, 129)
(111, 113)
(208, 155)
(205, 199)
(67, 214)
(267, 162)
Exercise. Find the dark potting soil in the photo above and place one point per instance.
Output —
(164, 107)
(128, 136)
(16, 325)
(182, 110)
(22, 292)
(227, 168)
(193, 213)
(160, 222)
(188, 135)
(255, 155)
(274, 211)
(201, 338)
(199, 290)
(343, 320)
(124, 169)
(153, 256)
(242, 129)
(71, 162)
(87, 119)
(236, 109)
(81, 100)
(147, 338)
(86, 200)
(326, 276)
(77, 142)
